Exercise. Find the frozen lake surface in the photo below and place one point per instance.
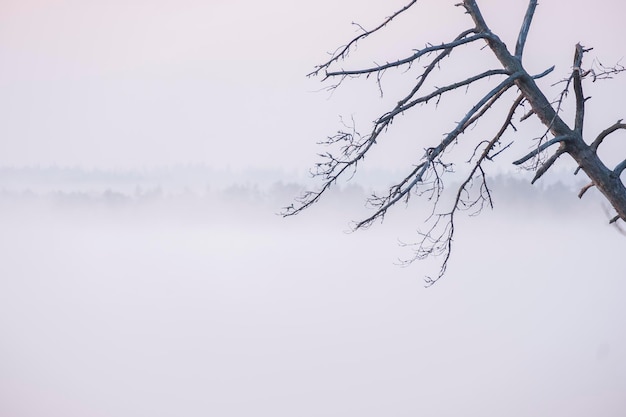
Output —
(167, 311)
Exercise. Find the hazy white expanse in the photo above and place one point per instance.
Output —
(196, 304)
(128, 290)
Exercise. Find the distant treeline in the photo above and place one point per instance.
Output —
(204, 185)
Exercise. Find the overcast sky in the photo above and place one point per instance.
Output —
(180, 306)
(137, 83)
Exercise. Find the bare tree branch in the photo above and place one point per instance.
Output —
(543, 168)
(484, 195)
(577, 75)
(543, 74)
(343, 52)
(606, 132)
(540, 149)
(424, 76)
(400, 191)
(523, 32)
(439, 92)
(419, 53)
(334, 167)
(603, 72)
(427, 176)
(584, 189)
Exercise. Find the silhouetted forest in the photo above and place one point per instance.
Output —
(205, 190)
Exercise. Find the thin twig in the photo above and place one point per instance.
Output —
(343, 52)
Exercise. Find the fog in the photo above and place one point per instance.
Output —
(208, 303)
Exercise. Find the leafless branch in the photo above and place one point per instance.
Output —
(600, 138)
(484, 196)
(606, 132)
(485, 101)
(543, 74)
(431, 155)
(543, 168)
(540, 149)
(426, 177)
(523, 33)
(507, 123)
(423, 77)
(438, 239)
(577, 75)
(419, 53)
(343, 52)
(603, 72)
(585, 189)
(439, 92)
(334, 167)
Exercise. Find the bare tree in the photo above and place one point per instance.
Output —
(426, 176)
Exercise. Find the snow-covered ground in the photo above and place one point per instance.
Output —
(180, 307)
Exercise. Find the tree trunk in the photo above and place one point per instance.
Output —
(607, 181)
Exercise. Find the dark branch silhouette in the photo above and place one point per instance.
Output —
(428, 174)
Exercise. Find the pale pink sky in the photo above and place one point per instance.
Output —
(140, 83)
(183, 307)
